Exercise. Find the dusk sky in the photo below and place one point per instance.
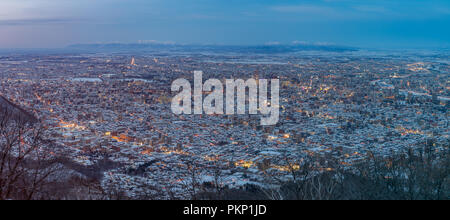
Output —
(368, 23)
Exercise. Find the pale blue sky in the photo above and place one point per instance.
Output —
(364, 23)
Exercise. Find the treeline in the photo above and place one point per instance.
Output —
(415, 174)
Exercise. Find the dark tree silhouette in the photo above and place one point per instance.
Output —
(26, 163)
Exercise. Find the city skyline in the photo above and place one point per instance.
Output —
(372, 24)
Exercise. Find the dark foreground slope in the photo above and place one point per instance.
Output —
(14, 111)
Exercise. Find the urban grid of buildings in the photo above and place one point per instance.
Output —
(116, 109)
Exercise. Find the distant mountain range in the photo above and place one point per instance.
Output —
(258, 49)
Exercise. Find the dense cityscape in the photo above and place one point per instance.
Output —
(108, 114)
